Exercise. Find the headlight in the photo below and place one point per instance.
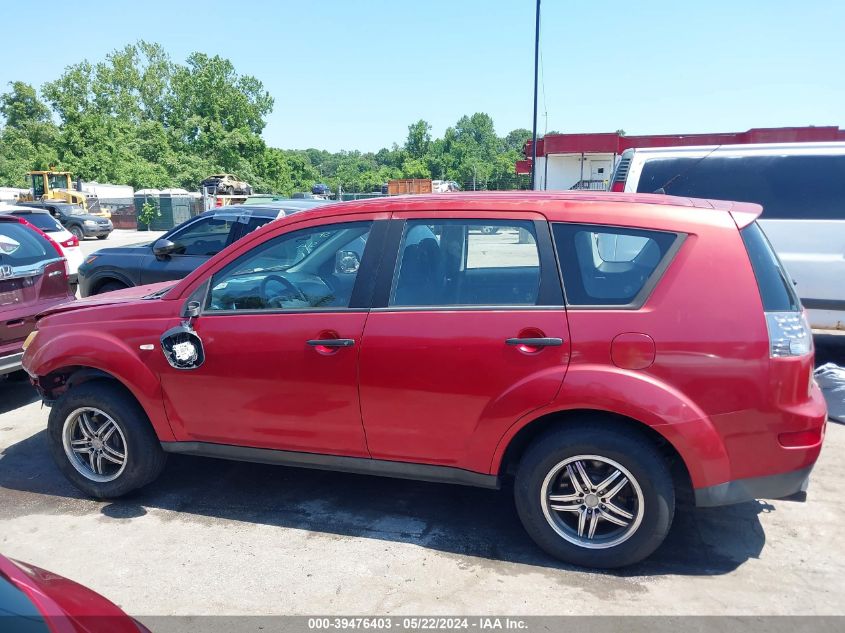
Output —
(29, 339)
(90, 223)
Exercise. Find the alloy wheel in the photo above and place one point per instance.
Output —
(592, 501)
(94, 444)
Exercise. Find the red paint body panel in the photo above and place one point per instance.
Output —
(66, 606)
(439, 386)
(262, 386)
(442, 387)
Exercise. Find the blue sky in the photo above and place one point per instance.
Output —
(354, 74)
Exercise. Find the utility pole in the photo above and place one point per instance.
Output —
(536, 69)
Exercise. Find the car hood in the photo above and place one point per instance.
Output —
(129, 249)
(64, 601)
(127, 295)
(86, 216)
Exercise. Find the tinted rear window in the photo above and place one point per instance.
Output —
(788, 187)
(608, 265)
(21, 246)
(43, 221)
(776, 288)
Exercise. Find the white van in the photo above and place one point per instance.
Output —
(801, 187)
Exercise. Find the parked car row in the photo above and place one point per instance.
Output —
(75, 219)
(182, 249)
(33, 277)
(605, 352)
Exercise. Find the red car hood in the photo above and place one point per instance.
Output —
(67, 606)
(126, 295)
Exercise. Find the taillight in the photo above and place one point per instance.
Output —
(73, 241)
(618, 187)
(789, 334)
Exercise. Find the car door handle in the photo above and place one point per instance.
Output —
(331, 342)
(535, 342)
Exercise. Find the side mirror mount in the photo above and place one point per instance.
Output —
(346, 263)
(163, 248)
(191, 310)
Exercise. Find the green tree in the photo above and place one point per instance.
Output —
(29, 137)
(515, 139)
(419, 139)
(21, 106)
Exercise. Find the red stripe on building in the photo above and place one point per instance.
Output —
(613, 143)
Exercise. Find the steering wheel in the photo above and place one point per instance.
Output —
(296, 292)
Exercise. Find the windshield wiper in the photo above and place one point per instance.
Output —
(158, 293)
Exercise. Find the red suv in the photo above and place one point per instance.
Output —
(33, 277)
(604, 351)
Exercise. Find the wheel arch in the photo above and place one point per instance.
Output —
(513, 446)
(59, 380)
(109, 276)
(84, 354)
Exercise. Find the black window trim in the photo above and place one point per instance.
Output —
(549, 295)
(643, 295)
(362, 290)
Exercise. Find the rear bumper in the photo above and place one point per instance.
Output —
(742, 490)
(10, 363)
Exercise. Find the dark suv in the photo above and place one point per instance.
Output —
(75, 219)
(182, 249)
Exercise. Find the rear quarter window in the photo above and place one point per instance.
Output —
(788, 187)
(610, 266)
(776, 288)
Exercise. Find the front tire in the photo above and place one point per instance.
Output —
(102, 440)
(597, 495)
(77, 232)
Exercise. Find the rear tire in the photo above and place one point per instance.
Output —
(105, 407)
(110, 286)
(639, 513)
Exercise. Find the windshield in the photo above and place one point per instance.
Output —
(289, 252)
(59, 181)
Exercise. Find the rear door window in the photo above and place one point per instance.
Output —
(610, 266)
(467, 263)
(788, 187)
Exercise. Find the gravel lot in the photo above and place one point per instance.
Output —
(216, 537)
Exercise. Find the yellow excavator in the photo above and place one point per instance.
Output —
(58, 185)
